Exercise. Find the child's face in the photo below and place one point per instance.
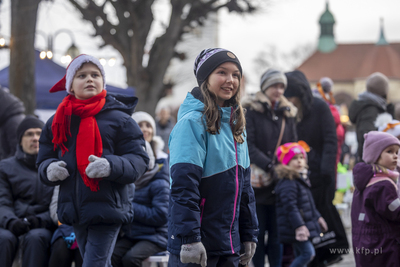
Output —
(147, 130)
(224, 82)
(87, 82)
(388, 157)
(298, 162)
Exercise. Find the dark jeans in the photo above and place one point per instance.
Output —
(131, 253)
(304, 252)
(267, 223)
(35, 247)
(96, 243)
(213, 261)
(62, 256)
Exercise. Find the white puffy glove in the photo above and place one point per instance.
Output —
(56, 171)
(194, 253)
(98, 167)
(249, 250)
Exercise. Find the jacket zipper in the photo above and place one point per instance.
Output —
(236, 190)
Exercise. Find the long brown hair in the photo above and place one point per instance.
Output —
(213, 118)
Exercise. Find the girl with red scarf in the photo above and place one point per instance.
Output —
(93, 149)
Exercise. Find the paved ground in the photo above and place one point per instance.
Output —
(348, 259)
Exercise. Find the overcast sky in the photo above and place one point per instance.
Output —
(285, 24)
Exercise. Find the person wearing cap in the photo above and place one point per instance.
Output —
(148, 126)
(375, 209)
(24, 201)
(315, 126)
(212, 207)
(93, 149)
(370, 103)
(148, 233)
(298, 219)
(324, 90)
(266, 112)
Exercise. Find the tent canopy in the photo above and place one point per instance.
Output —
(48, 73)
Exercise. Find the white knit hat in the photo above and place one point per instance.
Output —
(140, 116)
(66, 82)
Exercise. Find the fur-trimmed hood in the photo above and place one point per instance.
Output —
(259, 102)
(283, 171)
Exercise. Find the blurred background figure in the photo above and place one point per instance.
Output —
(147, 234)
(317, 128)
(270, 121)
(164, 124)
(148, 126)
(370, 103)
(11, 114)
(24, 201)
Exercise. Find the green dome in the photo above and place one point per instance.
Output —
(327, 17)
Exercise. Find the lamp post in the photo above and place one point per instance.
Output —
(71, 52)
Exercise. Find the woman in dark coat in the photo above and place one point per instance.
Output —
(317, 128)
(265, 113)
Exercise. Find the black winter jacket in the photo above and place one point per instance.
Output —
(294, 205)
(263, 126)
(22, 194)
(123, 147)
(363, 114)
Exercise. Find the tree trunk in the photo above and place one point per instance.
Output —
(22, 52)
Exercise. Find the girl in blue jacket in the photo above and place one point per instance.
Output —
(212, 204)
(93, 149)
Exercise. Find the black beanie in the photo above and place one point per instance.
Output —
(28, 123)
(209, 59)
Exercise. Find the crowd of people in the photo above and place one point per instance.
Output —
(231, 181)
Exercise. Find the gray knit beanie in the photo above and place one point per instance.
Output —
(326, 84)
(378, 83)
(271, 77)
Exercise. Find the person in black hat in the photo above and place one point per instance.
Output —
(212, 211)
(24, 201)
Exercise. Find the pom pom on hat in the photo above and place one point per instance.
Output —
(66, 82)
(209, 59)
(271, 77)
(28, 123)
(374, 143)
(326, 84)
(140, 116)
(378, 83)
(287, 151)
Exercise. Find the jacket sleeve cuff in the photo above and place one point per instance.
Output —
(191, 239)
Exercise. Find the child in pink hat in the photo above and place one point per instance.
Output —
(375, 211)
(298, 219)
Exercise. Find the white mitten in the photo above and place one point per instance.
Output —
(98, 167)
(249, 250)
(194, 253)
(56, 171)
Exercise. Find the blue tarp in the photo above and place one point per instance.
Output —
(48, 73)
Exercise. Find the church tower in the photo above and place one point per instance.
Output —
(326, 42)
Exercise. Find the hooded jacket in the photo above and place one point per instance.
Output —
(363, 114)
(317, 129)
(22, 194)
(375, 219)
(11, 114)
(295, 205)
(151, 206)
(123, 147)
(263, 126)
(211, 199)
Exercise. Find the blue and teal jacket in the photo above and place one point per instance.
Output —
(211, 198)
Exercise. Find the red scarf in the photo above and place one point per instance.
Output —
(88, 141)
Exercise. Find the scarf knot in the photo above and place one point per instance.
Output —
(88, 140)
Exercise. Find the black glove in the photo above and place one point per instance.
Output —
(18, 227)
(34, 222)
